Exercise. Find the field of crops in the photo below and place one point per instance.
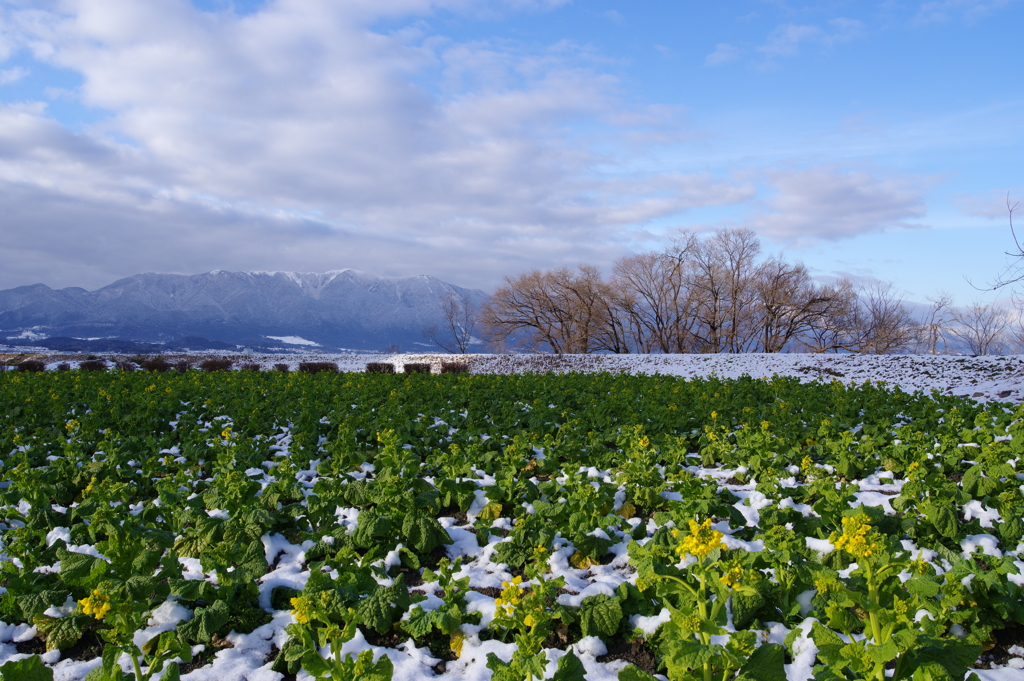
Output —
(267, 525)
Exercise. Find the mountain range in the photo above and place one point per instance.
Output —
(341, 309)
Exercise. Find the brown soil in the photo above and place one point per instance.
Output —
(999, 654)
(634, 651)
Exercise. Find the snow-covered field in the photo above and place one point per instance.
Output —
(983, 378)
(987, 378)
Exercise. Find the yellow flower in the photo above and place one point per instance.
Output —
(857, 538)
(701, 541)
(732, 577)
(301, 609)
(714, 414)
(97, 605)
(226, 433)
(644, 442)
(529, 620)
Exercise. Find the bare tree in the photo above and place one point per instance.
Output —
(456, 333)
(1014, 272)
(981, 328)
(882, 322)
(933, 327)
(560, 310)
(833, 329)
(791, 305)
(657, 299)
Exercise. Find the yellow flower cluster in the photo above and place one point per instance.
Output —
(511, 596)
(701, 541)
(226, 434)
(732, 578)
(302, 609)
(97, 605)
(857, 537)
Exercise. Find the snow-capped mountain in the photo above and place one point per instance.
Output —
(338, 309)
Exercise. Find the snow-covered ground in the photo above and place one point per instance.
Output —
(984, 378)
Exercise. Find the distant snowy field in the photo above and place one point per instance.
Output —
(984, 378)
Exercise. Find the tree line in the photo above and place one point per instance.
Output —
(709, 294)
(699, 295)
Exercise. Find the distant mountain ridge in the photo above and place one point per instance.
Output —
(336, 309)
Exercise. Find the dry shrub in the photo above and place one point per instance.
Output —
(182, 365)
(33, 365)
(216, 364)
(416, 368)
(282, 367)
(317, 367)
(63, 366)
(155, 364)
(380, 368)
(93, 365)
(250, 366)
(124, 365)
(454, 368)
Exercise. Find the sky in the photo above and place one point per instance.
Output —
(476, 139)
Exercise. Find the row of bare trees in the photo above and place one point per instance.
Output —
(708, 295)
(700, 295)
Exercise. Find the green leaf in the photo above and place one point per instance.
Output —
(634, 673)
(829, 644)
(923, 586)
(423, 532)
(190, 589)
(75, 567)
(535, 664)
(681, 656)
(955, 657)
(315, 665)
(381, 670)
(419, 623)
(61, 632)
(601, 618)
(942, 514)
(880, 654)
(27, 669)
(205, 622)
(370, 529)
(767, 663)
(569, 669)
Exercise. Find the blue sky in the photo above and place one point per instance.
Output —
(476, 139)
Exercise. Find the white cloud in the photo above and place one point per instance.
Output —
(12, 75)
(724, 53)
(829, 203)
(298, 138)
(994, 205)
(786, 40)
(938, 11)
(613, 16)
